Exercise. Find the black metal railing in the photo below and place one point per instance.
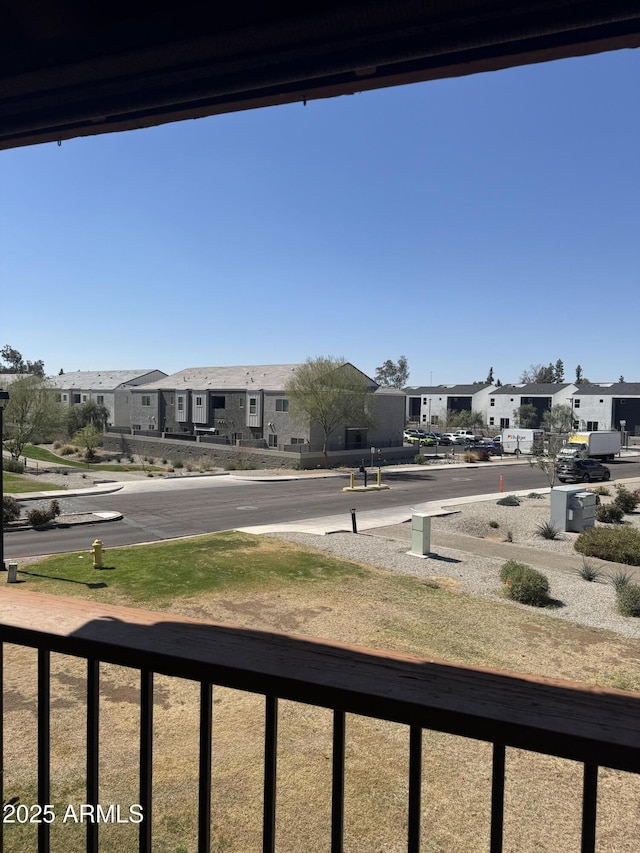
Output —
(592, 726)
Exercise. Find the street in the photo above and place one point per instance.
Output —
(163, 509)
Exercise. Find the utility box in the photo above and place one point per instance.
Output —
(572, 508)
(420, 534)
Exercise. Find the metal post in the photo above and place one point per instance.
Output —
(4, 399)
(354, 526)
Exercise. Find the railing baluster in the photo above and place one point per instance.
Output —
(44, 742)
(270, 766)
(415, 789)
(337, 783)
(497, 798)
(146, 758)
(204, 781)
(93, 735)
(589, 808)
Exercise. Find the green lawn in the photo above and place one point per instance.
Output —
(154, 575)
(31, 451)
(15, 484)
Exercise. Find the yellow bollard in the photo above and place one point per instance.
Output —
(351, 480)
(379, 476)
(96, 548)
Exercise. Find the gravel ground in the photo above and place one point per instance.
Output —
(591, 604)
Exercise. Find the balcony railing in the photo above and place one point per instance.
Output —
(598, 728)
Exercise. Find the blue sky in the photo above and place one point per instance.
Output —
(486, 221)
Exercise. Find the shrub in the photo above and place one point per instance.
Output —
(56, 445)
(419, 459)
(588, 571)
(494, 524)
(547, 530)
(67, 450)
(54, 508)
(178, 464)
(38, 517)
(230, 466)
(535, 496)
(10, 509)
(625, 499)
(617, 544)
(524, 584)
(508, 500)
(602, 490)
(620, 578)
(628, 599)
(609, 513)
(14, 466)
(470, 456)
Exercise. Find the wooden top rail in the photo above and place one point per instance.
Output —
(545, 715)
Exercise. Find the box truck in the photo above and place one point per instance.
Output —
(602, 444)
(522, 440)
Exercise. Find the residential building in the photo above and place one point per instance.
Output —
(247, 405)
(431, 406)
(504, 402)
(106, 387)
(607, 405)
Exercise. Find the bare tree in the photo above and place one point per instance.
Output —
(329, 392)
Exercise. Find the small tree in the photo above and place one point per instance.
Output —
(558, 419)
(544, 457)
(526, 416)
(89, 438)
(32, 414)
(489, 379)
(328, 392)
(393, 374)
(87, 413)
(464, 420)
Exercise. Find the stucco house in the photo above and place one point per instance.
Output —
(106, 387)
(606, 405)
(430, 406)
(507, 399)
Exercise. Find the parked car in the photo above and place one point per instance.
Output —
(418, 436)
(454, 438)
(581, 471)
(439, 438)
(494, 447)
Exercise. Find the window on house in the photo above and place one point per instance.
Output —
(297, 441)
(64, 398)
(253, 405)
(491, 421)
(492, 401)
(592, 426)
(100, 399)
(84, 398)
(76, 398)
(171, 400)
(282, 405)
(602, 401)
(146, 400)
(58, 398)
(424, 401)
(136, 426)
(273, 440)
(242, 402)
(218, 402)
(434, 420)
(504, 423)
(424, 419)
(576, 404)
(181, 404)
(198, 401)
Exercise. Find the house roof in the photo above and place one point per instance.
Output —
(99, 380)
(446, 390)
(532, 389)
(76, 68)
(265, 377)
(609, 389)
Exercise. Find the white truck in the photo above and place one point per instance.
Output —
(602, 444)
(519, 441)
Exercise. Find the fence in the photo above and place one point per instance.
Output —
(595, 727)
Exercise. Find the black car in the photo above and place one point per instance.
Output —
(582, 471)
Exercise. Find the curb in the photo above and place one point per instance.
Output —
(96, 518)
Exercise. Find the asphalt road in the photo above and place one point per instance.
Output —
(163, 509)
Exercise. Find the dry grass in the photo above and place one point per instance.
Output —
(375, 609)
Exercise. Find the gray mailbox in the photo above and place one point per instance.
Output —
(572, 508)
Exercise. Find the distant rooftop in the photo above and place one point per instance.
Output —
(101, 380)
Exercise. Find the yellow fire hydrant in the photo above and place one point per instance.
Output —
(97, 551)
